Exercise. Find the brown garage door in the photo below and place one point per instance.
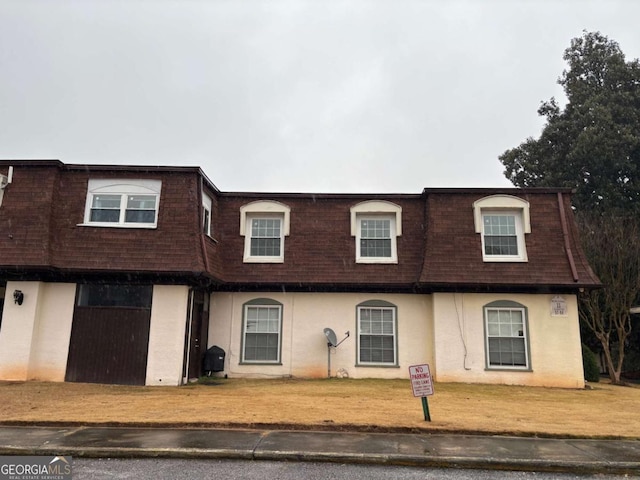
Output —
(110, 335)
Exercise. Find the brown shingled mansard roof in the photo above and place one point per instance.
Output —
(439, 249)
(453, 257)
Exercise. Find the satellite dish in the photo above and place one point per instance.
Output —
(332, 341)
(331, 337)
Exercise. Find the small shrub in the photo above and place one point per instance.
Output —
(590, 365)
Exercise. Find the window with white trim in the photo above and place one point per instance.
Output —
(206, 214)
(377, 342)
(502, 235)
(507, 343)
(502, 221)
(264, 224)
(261, 331)
(122, 203)
(375, 226)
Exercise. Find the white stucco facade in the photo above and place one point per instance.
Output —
(34, 338)
(303, 344)
(445, 330)
(553, 341)
(167, 335)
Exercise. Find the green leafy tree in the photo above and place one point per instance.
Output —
(593, 146)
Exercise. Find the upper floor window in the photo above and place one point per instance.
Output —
(122, 203)
(502, 221)
(266, 239)
(375, 225)
(264, 224)
(507, 342)
(206, 214)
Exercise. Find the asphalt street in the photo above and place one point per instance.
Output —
(417, 450)
(180, 469)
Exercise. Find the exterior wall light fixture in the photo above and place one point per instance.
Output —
(18, 297)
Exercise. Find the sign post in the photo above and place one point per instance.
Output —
(422, 386)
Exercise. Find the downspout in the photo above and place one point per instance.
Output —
(418, 281)
(565, 234)
(187, 339)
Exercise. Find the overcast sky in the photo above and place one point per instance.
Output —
(291, 96)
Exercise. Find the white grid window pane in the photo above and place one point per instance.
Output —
(262, 334)
(375, 238)
(265, 228)
(376, 335)
(500, 236)
(376, 228)
(266, 237)
(506, 340)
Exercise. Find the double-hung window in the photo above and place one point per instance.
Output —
(375, 226)
(506, 336)
(377, 343)
(122, 203)
(500, 234)
(264, 224)
(375, 237)
(262, 328)
(266, 237)
(502, 222)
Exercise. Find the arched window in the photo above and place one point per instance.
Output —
(264, 224)
(261, 331)
(506, 335)
(377, 327)
(122, 203)
(375, 224)
(502, 221)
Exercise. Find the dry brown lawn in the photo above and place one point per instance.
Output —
(341, 404)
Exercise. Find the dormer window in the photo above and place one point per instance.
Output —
(502, 221)
(264, 224)
(375, 226)
(122, 203)
(206, 214)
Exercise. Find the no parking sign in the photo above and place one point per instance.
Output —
(422, 385)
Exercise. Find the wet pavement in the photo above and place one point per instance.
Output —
(434, 450)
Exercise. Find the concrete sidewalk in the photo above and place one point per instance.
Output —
(425, 450)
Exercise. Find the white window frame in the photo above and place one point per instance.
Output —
(508, 306)
(258, 304)
(521, 254)
(504, 205)
(260, 210)
(206, 214)
(376, 210)
(123, 189)
(377, 305)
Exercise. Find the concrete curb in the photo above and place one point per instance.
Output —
(620, 468)
(450, 451)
